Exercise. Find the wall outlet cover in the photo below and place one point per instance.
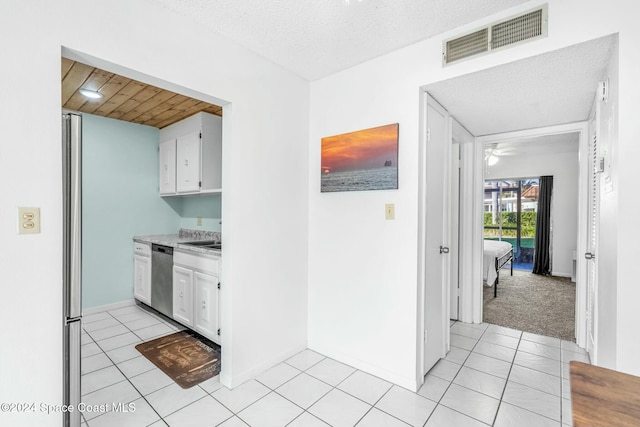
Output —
(28, 220)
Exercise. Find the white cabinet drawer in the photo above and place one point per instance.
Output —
(200, 262)
(143, 249)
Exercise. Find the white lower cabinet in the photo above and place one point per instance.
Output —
(196, 290)
(205, 318)
(183, 295)
(142, 272)
(142, 279)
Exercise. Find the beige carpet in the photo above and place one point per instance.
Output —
(529, 302)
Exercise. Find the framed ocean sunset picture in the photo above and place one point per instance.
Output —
(362, 160)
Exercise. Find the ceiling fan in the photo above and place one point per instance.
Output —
(493, 153)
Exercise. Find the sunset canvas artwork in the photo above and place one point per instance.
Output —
(362, 160)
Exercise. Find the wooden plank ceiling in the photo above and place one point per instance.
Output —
(126, 99)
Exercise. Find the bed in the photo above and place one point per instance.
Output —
(496, 254)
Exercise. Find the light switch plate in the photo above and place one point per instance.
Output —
(389, 211)
(28, 220)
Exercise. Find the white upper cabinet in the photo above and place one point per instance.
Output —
(168, 167)
(188, 163)
(197, 156)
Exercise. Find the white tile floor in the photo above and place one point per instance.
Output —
(492, 376)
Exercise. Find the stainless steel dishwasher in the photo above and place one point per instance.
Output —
(162, 279)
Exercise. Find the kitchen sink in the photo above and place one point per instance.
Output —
(210, 244)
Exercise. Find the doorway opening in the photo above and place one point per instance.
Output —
(121, 199)
(531, 199)
(503, 107)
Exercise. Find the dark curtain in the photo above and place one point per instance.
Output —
(541, 259)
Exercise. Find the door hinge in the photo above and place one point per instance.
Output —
(425, 335)
(200, 184)
(218, 331)
(218, 285)
(428, 134)
(200, 135)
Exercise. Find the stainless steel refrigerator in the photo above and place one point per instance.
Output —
(72, 262)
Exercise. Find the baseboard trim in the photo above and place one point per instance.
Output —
(231, 381)
(107, 307)
(408, 383)
(553, 273)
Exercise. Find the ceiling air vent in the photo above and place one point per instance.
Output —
(518, 29)
(469, 45)
(528, 26)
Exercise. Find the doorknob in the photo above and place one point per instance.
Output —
(444, 250)
(589, 255)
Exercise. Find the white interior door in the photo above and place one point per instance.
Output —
(454, 225)
(592, 242)
(437, 233)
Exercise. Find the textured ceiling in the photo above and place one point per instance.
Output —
(545, 90)
(316, 38)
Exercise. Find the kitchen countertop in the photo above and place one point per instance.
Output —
(178, 242)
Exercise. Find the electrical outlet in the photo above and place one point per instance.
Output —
(389, 211)
(28, 220)
(199, 220)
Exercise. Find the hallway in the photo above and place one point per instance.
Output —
(491, 376)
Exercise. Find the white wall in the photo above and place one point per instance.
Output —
(564, 215)
(264, 270)
(626, 155)
(362, 269)
(120, 200)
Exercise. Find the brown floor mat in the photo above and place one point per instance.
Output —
(184, 356)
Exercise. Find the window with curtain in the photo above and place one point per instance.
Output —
(542, 256)
(510, 209)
